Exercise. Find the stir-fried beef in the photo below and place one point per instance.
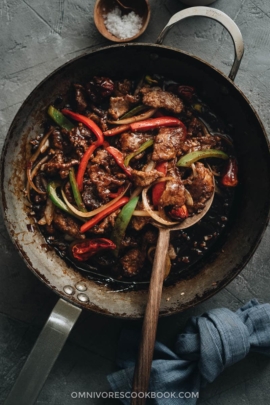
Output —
(195, 127)
(103, 158)
(99, 88)
(144, 179)
(103, 181)
(80, 97)
(201, 186)
(157, 98)
(132, 262)
(57, 140)
(129, 142)
(174, 194)
(168, 143)
(79, 138)
(120, 105)
(89, 197)
(58, 165)
(122, 88)
(67, 225)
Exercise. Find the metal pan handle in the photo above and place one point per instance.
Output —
(44, 354)
(219, 16)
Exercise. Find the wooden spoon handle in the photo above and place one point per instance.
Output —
(146, 349)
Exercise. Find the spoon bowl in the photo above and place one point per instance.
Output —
(103, 7)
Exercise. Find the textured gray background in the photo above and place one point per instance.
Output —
(38, 36)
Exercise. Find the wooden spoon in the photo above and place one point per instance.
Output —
(146, 349)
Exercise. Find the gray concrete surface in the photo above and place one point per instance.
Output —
(38, 36)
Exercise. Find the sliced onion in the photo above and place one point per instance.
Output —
(34, 157)
(151, 212)
(193, 167)
(49, 211)
(42, 221)
(135, 118)
(140, 213)
(136, 192)
(189, 199)
(32, 174)
(94, 212)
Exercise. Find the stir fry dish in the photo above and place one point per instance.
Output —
(116, 156)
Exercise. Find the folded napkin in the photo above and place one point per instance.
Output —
(209, 344)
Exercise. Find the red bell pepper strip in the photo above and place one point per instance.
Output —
(153, 123)
(157, 189)
(179, 212)
(119, 191)
(83, 165)
(117, 130)
(119, 158)
(229, 178)
(95, 220)
(88, 123)
(86, 248)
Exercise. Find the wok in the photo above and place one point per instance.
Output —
(229, 255)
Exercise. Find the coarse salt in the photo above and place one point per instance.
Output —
(122, 26)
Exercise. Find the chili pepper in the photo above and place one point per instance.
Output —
(157, 189)
(192, 157)
(229, 178)
(153, 123)
(59, 118)
(119, 158)
(88, 123)
(83, 165)
(51, 189)
(179, 212)
(86, 248)
(144, 146)
(122, 222)
(93, 221)
(76, 193)
(116, 130)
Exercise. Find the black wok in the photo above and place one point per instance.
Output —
(228, 256)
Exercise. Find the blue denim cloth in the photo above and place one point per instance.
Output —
(209, 344)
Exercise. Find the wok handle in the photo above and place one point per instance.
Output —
(219, 16)
(44, 354)
(145, 355)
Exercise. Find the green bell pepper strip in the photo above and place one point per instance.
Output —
(122, 222)
(51, 189)
(187, 160)
(76, 193)
(59, 118)
(144, 146)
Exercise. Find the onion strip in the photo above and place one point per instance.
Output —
(135, 118)
(32, 174)
(97, 210)
(152, 213)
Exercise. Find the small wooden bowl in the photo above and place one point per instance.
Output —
(103, 7)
